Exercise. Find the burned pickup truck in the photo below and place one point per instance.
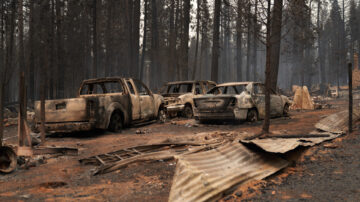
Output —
(104, 103)
(238, 101)
(179, 96)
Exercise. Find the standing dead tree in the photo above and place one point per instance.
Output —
(197, 39)
(239, 33)
(6, 69)
(184, 47)
(273, 40)
(94, 37)
(144, 42)
(216, 44)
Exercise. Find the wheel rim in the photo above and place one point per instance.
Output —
(286, 110)
(188, 112)
(116, 123)
(162, 116)
(252, 116)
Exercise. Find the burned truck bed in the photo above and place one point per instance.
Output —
(105, 103)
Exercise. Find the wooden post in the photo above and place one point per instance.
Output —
(350, 97)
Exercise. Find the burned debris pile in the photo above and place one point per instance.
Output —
(208, 164)
(164, 150)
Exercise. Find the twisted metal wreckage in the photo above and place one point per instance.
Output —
(209, 164)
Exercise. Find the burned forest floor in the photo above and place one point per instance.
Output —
(326, 172)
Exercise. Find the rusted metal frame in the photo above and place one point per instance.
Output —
(158, 155)
(121, 154)
(99, 159)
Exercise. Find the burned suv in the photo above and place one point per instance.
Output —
(238, 101)
(104, 103)
(179, 96)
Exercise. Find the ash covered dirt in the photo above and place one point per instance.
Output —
(64, 178)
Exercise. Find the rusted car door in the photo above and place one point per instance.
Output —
(147, 103)
(135, 100)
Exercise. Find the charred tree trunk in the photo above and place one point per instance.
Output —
(172, 41)
(94, 37)
(21, 98)
(248, 46)
(239, 40)
(108, 38)
(136, 39)
(216, 45)
(204, 50)
(197, 39)
(21, 37)
(266, 124)
(155, 64)
(225, 73)
(254, 49)
(2, 77)
(10, 45)
(178, 26)
(321, 54)
(275, 42)
(60, 53)
(144, 42)
(44, 23)
(185, 40)
(133, 23)
(1, 113)
(51, 33)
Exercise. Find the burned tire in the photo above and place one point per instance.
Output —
(286, 110)
(252, 115)
(161, 115)
(116, 122)
(188, 112)
(8, 159)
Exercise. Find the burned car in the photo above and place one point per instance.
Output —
(179, 96)
(104, 103)
(238, 101)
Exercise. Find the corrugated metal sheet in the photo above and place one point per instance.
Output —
(338, 122)
(334, 125)
(205, 175)
(283, 145)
